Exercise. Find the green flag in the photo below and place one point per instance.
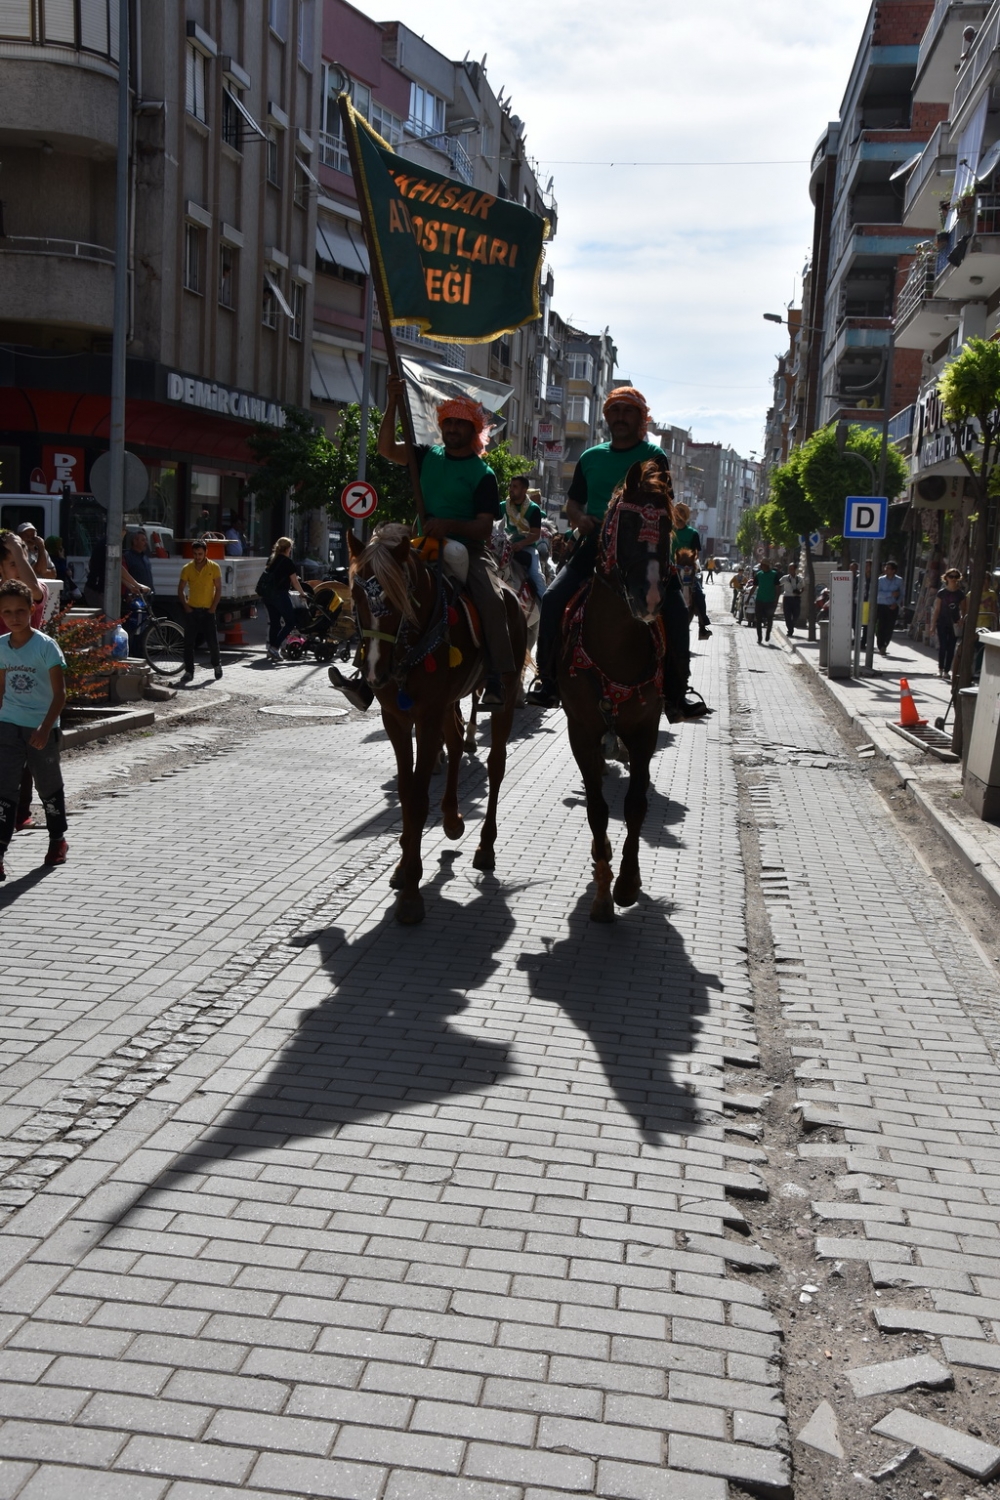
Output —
(460, 263)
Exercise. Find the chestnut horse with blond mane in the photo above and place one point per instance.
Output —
(420, 659)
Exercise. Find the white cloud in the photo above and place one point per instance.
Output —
(680, 263)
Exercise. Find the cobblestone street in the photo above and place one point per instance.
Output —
(509, 1206)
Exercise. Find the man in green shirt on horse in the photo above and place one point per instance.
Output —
(462, 502)
(598, 474)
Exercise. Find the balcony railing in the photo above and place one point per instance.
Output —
(901, 425)
(451, 146)
(936, 148)
(977, 61)
(988, 213)
(333, 152)
(21, 244)
(919, 285)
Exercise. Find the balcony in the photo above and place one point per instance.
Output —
(977, 274)
(66, 282)
(439, 140)
(922, 319)
(931, 180)
(67, 98)
(977, 71)
(941, 46)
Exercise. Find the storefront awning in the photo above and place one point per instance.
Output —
(345, 247)
(336, 376)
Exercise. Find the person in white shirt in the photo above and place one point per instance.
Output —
(791, 598)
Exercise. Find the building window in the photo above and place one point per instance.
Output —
(227, 276)
(578, 409)
(277, 17)
(232, 122)
(306, 33)
(580, 366)
(272, 149)
(388, 125)
(426, 112)
(514, 424)
(196, 79)
(192, 257)
(269, 309)
(298, 305)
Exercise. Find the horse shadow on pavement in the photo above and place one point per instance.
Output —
(632, 990)
(382, 1041)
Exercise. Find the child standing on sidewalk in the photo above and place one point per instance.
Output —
(32, 696)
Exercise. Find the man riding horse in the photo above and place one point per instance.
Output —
(598, 474)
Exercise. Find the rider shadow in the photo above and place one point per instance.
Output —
(382, 1041)
(632, 990)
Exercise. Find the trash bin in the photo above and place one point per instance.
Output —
(824, 644)
(967, 708)
(981, 782)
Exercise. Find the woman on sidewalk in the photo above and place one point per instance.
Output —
(947, 618)
(282, 574)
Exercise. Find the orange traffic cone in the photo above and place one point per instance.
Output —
(908, 716)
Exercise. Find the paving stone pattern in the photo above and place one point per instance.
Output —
(372, 1212)
(892, 1014)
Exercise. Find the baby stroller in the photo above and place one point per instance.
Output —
(325, 627)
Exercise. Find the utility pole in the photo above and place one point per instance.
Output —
(116, 449)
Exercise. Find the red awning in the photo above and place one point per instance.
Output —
(176, 432)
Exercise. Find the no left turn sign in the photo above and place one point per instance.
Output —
(359, 499)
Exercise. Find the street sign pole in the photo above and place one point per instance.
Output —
(865, 520)
(116, 450)
(877, 548)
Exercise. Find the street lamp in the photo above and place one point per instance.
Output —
(777, 318)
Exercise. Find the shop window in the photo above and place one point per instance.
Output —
(273, 154)
(196, 80)
(298, 305)
(227, 276)
(192, 257)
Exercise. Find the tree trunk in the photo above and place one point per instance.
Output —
(810, 593)
(980, 561)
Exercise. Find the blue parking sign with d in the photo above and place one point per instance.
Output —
(865, 517)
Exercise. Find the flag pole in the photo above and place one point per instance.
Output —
(375, 271)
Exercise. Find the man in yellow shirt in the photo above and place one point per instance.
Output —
(199, 590)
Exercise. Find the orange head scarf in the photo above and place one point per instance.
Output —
(465, 410)
(628, 395)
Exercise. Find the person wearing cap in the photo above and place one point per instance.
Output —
(599, 472)
(35, 548)
(462, 503)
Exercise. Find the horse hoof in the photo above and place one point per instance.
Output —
(602, 909)
(454, 827)
(626, 892)
(396, 878)
(410, 911)
(484, 859)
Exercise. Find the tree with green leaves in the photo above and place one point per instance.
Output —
(829, 474)
(748, 532)
(970, 392)
(792, 513)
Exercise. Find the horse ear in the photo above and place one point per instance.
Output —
(401, 551)
(355, 545)
(633, 479)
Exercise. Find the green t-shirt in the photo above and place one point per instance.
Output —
(767, 585)
(533, 518)
(457, 489)
(685, 536)
(600, 470)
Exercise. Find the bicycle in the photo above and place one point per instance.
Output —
(160, 640)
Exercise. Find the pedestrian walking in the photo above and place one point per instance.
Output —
(280, 575)
(947, 619)
(765, 599)
(199, 590)
(791, 586)
(710, 567)
(888, 601)
(32, 696)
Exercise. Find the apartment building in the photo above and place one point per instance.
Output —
(443, 114)
(863, 242)
(952, 292)
(221, 231)
(724, 485)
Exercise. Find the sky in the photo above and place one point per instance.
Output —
(679, 262)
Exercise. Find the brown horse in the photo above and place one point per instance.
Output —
(625, 652)
(420, 658)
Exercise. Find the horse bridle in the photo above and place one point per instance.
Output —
(428, 642)
(652, 518)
